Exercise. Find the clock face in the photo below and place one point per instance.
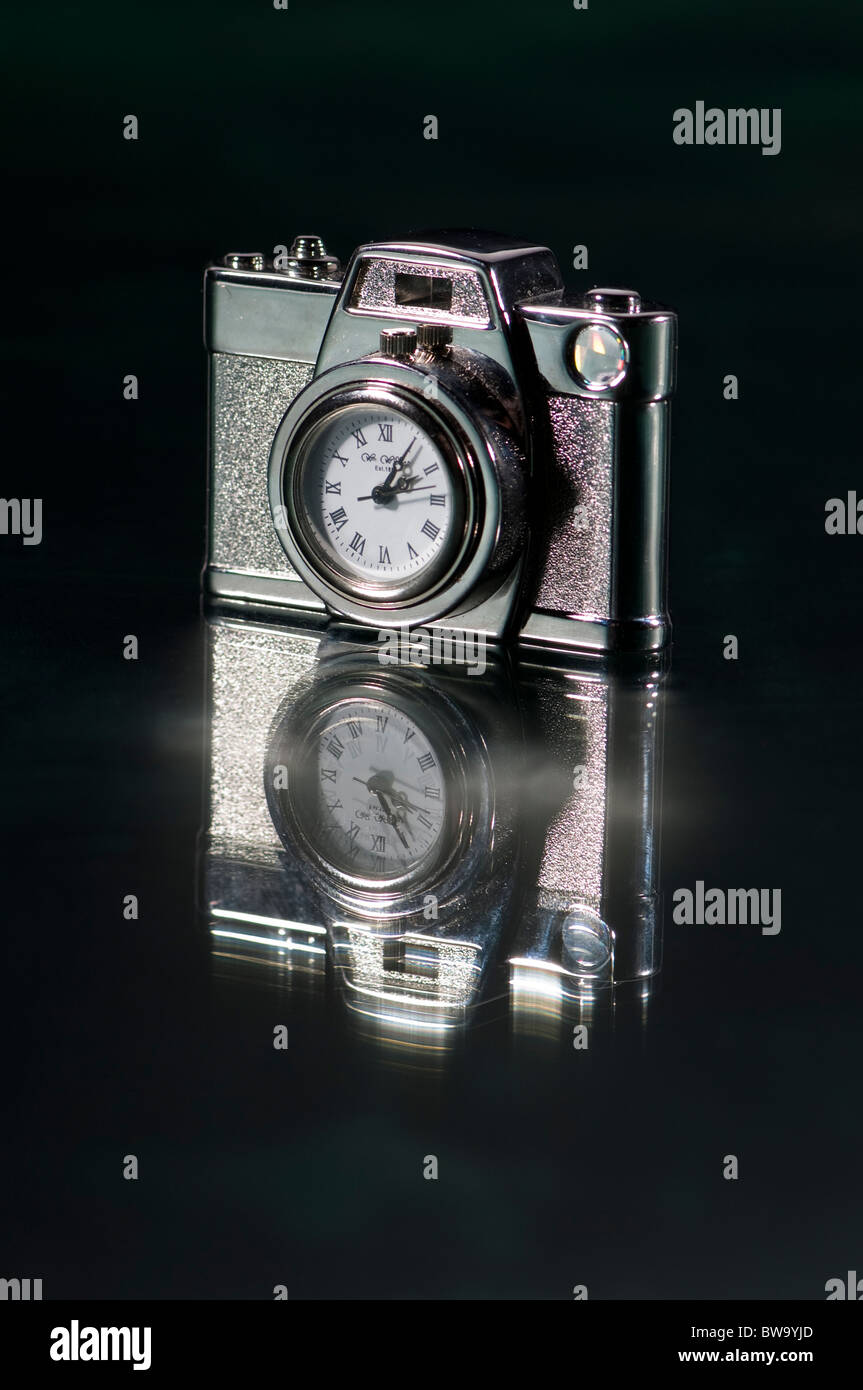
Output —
(375, 794)
(379, 498)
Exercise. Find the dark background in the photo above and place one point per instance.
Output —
(556, 1168)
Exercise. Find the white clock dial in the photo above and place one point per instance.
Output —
(379, 495)
(381, 796)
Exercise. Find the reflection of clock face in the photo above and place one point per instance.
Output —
(381, 793)
(376, 495)
(376, 796)
(380, 789)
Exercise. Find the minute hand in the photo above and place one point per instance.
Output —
(402, 486)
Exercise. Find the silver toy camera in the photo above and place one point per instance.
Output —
(440, 436)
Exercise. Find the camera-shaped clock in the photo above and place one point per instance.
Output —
(440, 436)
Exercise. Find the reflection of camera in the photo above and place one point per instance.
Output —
(433, 841)
(440, 436)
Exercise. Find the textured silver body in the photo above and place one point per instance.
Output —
(375, 284)
(575, 570)
(248, 397)
(584, 567)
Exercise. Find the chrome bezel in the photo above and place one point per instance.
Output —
(444, 583)
(316, 546)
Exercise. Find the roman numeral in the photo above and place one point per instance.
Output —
(385, 434)
(425, 762)
(355, 728)
(432, 468)
(335, 805)
(381, 722)
(353, 833)
(379, 844)
(341, 458)
(336, 747)
(384, 557)
(334, 487)
(328, 774)
(437, 499)
(430, 530)
(409, 734)
(338, 518)
(358, 543)
(359, 437)
(424, 820)
(433, 793)
(413, 553)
